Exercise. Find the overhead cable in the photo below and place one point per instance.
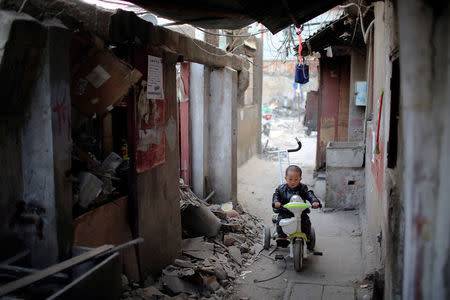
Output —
(232, 35)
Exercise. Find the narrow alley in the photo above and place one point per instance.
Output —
(234, 150)
(338, 274)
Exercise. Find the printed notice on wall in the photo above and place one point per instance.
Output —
(155, 78)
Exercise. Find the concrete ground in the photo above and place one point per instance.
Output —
(336, 274)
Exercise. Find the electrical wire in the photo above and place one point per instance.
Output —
(232, 35)
(364, 32)
(206, 51)
(273, 277)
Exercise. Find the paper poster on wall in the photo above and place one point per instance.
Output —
(150, 132)
(155, 78)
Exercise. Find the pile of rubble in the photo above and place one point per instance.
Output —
(209, 264)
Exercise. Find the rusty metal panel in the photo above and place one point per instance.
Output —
(344, 98)
(333, 104)
(312, 110)
(328, 108)
(185, 163)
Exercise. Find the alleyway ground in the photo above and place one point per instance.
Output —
(336, 274)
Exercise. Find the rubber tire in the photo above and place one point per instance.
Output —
(266, 237)
(298, 255)
(312, 242)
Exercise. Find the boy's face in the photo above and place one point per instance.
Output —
(293, 179)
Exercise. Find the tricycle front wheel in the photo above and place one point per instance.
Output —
(298, 255)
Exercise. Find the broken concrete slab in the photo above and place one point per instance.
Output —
(177, 285)
(256, 249)
(197, 247)
(231, 227)
(152, 291)
(235, 253)
(220, 272)
(183, 263)
(180, 272)
(245, 248)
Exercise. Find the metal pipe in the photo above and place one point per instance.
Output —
(279, 166)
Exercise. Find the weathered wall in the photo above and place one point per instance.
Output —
(159, 220)
(58, 47)
(258, 88)
(249, 111)
(375, 163)
(222, 160)
(356, 113)
(199, 110)
(28, 190)
(384, 207)
(425, 107)
(248, 132)
(372, 222)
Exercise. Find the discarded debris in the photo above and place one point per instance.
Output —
(210, 265)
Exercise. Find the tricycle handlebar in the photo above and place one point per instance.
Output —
(298, 148)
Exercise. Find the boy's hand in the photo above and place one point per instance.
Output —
(315, 205)
(277, 204)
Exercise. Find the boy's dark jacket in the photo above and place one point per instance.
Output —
(283, 194)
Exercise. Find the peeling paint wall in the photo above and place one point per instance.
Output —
(425, 106)
(333, 104)
(158, 206)
(36, 209)
(222, 160)
(249, 112)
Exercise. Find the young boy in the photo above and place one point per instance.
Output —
(282, 196)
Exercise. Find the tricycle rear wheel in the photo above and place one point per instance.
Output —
(266, 237)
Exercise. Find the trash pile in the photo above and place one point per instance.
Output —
(215, 251)
(95, 182)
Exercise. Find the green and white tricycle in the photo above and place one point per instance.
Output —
(292, 227)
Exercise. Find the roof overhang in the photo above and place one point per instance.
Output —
(340, 33)
(235, 14)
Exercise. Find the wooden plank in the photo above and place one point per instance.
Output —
(15, 257)
(82, 277)
(26, 271)
(27, 280)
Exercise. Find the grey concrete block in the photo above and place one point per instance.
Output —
(345, 187)
(345, 154)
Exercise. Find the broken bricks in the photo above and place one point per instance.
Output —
(228, 240)
(208, 267)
